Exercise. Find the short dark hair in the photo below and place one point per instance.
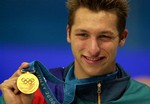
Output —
(119, 6)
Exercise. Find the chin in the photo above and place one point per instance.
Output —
(94, 74)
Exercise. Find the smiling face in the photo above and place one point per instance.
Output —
(94, 40)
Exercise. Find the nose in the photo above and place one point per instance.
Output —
(94, 47)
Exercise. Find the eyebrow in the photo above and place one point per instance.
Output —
(108, 32)
(102, 32)
(81, 30)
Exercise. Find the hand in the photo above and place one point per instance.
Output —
(10, 91)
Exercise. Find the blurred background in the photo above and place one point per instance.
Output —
(36, 30)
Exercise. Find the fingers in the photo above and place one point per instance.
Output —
(24, 65)
(12, 95)
(10, 86)
(28, 98)
(18, 72)
(10, 90)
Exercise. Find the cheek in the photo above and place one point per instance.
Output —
(78, 45)
(110, 49)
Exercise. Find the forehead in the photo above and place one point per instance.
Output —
(87, 19)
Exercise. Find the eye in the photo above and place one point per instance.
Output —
(105, 37)
(82, 35)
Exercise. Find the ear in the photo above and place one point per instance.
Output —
(123, 37)
(68, 33)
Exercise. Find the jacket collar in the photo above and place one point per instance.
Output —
(110, 89)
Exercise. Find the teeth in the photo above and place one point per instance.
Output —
(93, 59)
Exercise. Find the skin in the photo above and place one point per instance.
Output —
(94, 40)
(10, 91)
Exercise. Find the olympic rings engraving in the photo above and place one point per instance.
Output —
(27, 80)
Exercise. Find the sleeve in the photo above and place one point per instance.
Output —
(2, 101)
(38, 98)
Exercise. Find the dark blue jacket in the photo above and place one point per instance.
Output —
(120, 90)
(111, 90)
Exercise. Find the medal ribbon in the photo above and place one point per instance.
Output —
(70, 83)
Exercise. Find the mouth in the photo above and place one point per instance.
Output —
(92, 60)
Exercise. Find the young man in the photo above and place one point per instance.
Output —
(95, 30)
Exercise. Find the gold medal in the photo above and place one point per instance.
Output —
(27, 83)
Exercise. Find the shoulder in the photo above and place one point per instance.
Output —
(143, 79)
(138, 91)
(135, 93)
(138, 85)
(58, 72)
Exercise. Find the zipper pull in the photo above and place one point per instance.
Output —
(99, 93)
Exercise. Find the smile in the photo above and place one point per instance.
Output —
(93, 59)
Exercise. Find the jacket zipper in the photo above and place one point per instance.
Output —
(99, 93)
